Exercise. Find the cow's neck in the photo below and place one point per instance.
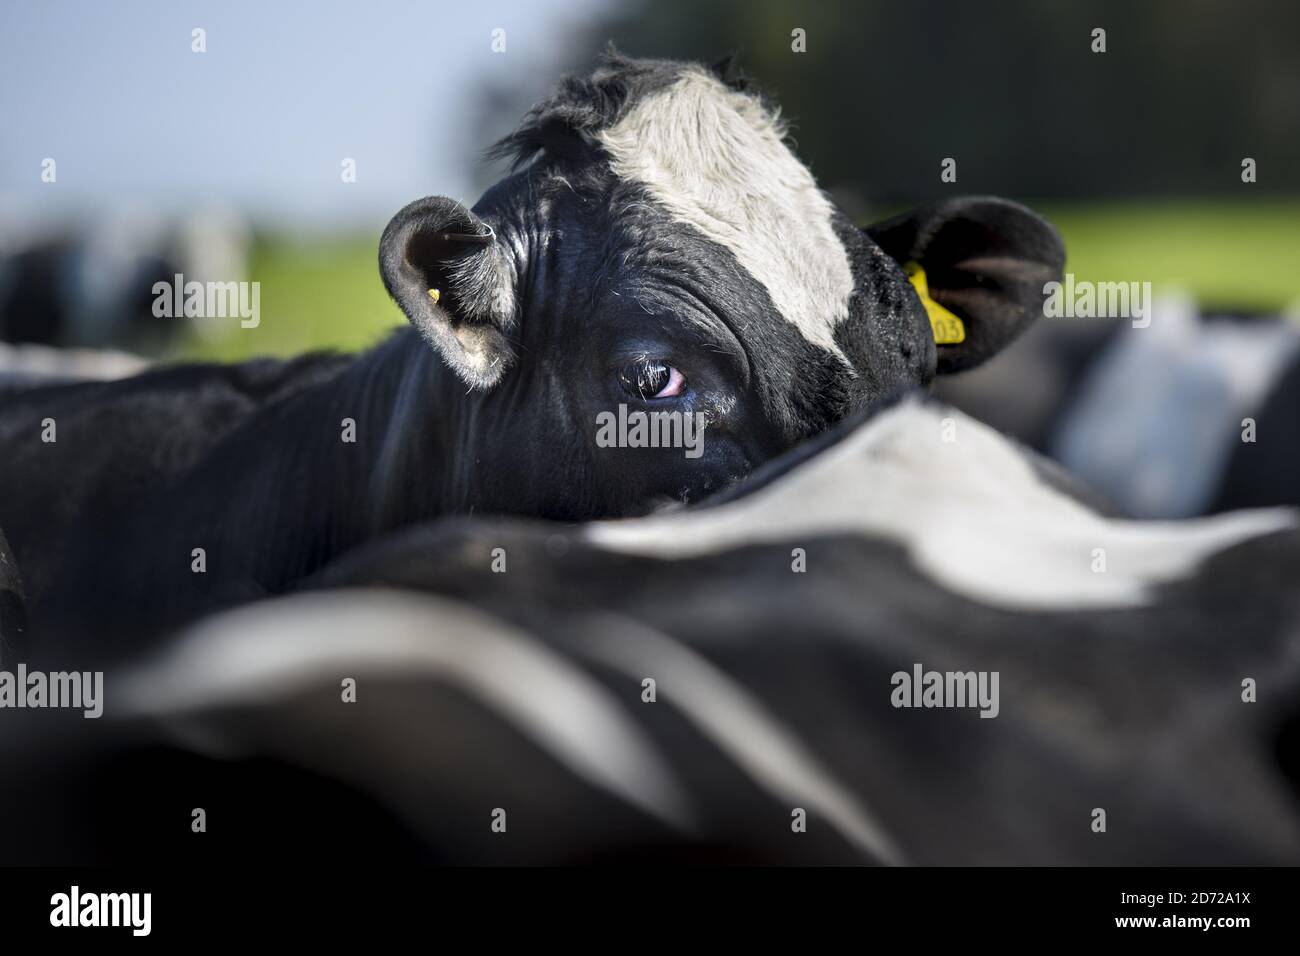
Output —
(364, 453)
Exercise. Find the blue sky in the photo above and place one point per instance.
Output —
(263, 119)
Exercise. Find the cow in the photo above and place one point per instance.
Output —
(656, 247)
(738, 681)
(92, 286)
(1197, 412)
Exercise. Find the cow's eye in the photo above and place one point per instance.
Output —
(651, 378)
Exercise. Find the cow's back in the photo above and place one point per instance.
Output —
(86, 448)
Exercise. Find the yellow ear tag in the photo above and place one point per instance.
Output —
(948, 329)
(435, 295)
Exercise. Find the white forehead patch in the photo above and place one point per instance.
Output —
(716, 160)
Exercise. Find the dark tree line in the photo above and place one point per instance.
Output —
(1009, 88)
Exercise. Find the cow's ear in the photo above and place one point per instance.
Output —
(455, 282)
(982, 259)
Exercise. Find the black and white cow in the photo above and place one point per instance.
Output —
(503, 666)
(1194, 413)
(90, 286)
(657, 246)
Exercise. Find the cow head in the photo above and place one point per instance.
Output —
(658, 246)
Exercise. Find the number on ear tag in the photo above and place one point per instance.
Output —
(948, 329)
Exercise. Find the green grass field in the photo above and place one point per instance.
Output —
(1226, 254)
(319, 295)
(314, 295)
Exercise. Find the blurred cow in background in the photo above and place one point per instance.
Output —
(78, 302)
(1195, 414)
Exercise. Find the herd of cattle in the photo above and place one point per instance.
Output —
(404, 603)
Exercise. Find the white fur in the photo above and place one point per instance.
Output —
(716, 160)
(972, 514)
(264, 653)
